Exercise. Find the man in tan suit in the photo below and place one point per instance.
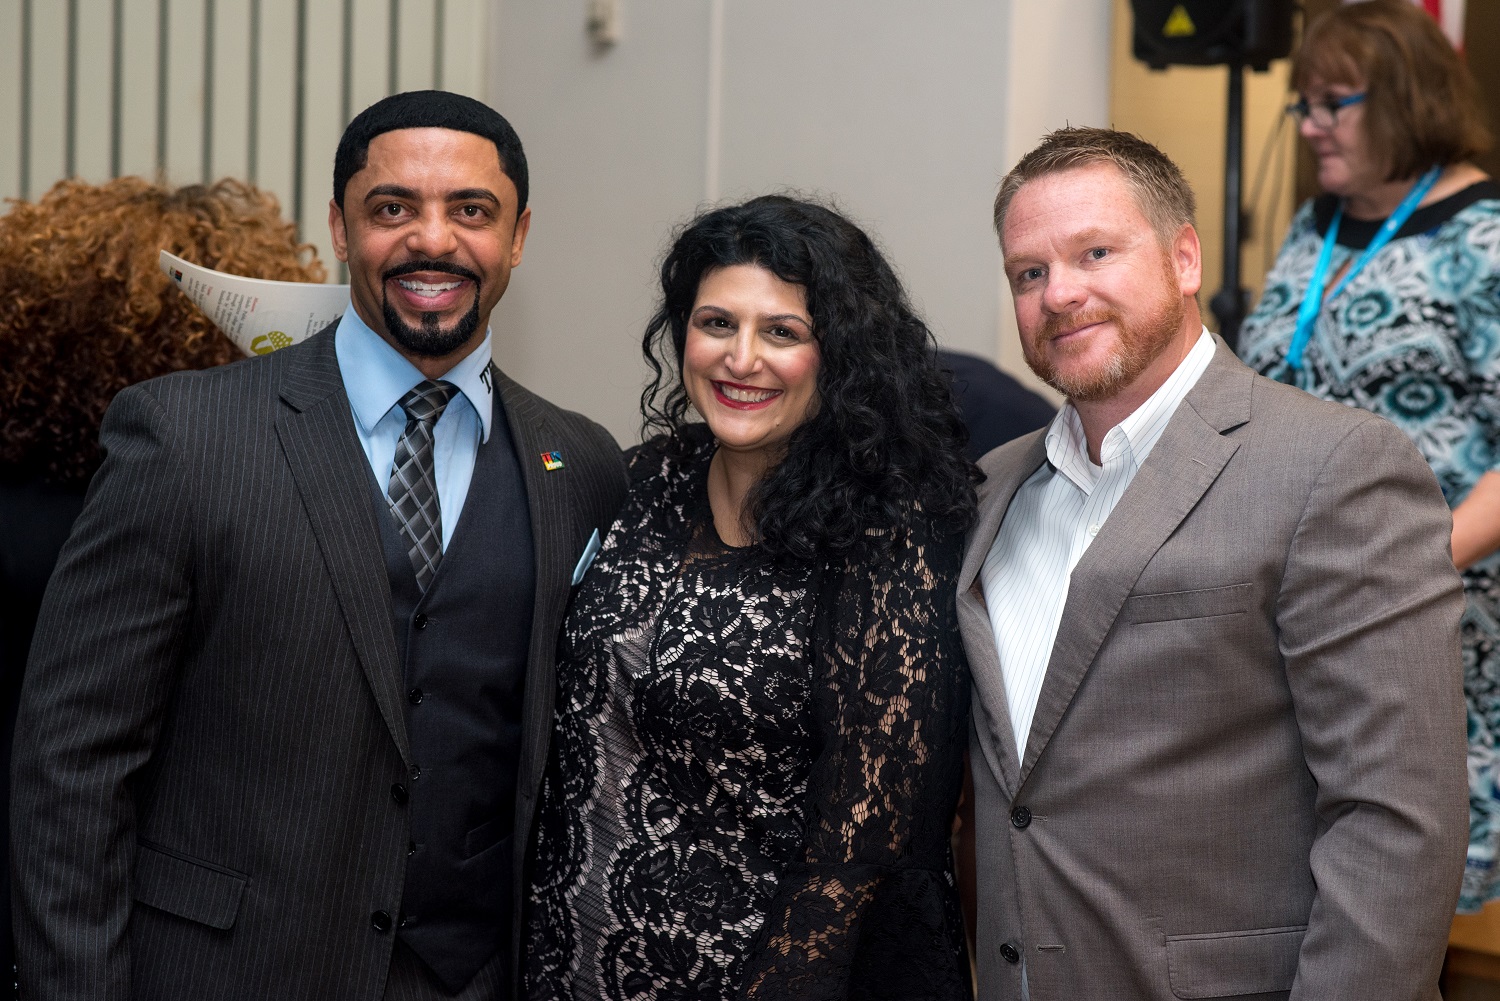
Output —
(1218, 730)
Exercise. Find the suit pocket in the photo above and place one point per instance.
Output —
(1172, 605)
(1228, 964)
(187, 887)
(486, 836)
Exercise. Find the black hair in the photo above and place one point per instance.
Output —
(885, 435)
(428, 109)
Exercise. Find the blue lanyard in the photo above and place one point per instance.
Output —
(1312, 301)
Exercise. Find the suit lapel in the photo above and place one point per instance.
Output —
(553, 541)
(1186, 460)
(1011, 468)
(333, 478)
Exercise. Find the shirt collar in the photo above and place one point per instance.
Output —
(1067, 448)
(376, 375)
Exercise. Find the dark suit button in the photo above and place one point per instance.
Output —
(419, 620)
(381, 921)
(398, 793)
(411, 848)
(1020, 817)
(416, 771)
(414, 696)
(406, 919)
(1010, 953)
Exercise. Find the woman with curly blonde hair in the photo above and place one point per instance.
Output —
(84, 312)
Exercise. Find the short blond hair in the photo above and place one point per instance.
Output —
(1164, 195)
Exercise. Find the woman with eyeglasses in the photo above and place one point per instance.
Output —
(1386, 296)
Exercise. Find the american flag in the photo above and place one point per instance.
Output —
(1448, 13)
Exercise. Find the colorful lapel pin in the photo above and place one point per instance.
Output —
(552, 460)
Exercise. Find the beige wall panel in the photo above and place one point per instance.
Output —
(276, 117)
(369, 76)
(185, 57)
(138, 82)
(463, 47)
(229, 122)
(10, 100)
(615, 145)
(416, 29)
(49, 76)
(1182, 110)
(95, 83)
(322, 120)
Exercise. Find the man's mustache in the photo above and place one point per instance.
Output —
(412, 267)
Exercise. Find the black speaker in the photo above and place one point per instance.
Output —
(1212, 32)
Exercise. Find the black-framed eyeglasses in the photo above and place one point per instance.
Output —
(1324, 114)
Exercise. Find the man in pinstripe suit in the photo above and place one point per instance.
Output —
(289, 702)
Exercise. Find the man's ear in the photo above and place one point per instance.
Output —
(1187, 260)
(518, 240)
(337, 231)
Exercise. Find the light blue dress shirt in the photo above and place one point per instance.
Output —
(376, 376)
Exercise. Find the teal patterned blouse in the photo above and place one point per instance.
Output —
(1416, 338)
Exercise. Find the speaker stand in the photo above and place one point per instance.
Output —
(1232, 302)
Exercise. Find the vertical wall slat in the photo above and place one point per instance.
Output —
(70, 94)
(463, 48)
(10, 100)
(184, 105)
(415, 32)
(230, 114)
(275, 104)
(48, 112)
(138, 81)
(94, 88)
(322, 115)
(369, 76)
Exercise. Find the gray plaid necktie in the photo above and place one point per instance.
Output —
(413, 490)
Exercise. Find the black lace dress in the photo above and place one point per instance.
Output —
(754, 768)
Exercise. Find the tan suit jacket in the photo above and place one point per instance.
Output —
(1246, 772)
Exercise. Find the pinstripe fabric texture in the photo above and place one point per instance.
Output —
(212, 719)
(1245, 774)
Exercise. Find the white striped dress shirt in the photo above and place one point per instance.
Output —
(1054, 516)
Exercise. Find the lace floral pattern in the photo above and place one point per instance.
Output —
(754, 767)
(1416, 339)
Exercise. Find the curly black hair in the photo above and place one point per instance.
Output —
(885, 437)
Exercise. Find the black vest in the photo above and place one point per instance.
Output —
(464, 648)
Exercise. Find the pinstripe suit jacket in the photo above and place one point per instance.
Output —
(1245, 775)
(213, 718)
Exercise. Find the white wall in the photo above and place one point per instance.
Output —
(905, 114)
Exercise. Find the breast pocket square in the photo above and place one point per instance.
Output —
(586, 560)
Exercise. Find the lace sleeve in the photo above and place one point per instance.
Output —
(871, 910)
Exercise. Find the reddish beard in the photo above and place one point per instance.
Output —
(1141, 338)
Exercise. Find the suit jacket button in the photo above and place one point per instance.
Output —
(398, 793)
(1020, 818)
(414, 696)
(419, 620)
(381, 921)
(1010, 953)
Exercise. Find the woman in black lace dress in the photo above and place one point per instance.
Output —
(762, 693)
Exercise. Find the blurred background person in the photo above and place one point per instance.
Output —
(995, 407)
(1386, 296)
(762, 700)
(85, 311)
